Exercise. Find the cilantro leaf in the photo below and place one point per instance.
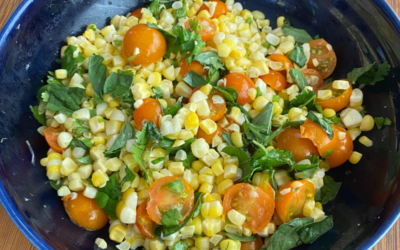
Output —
(157, 93)
(154, 8)
(56, 184)
(187, 43)
(181, 12)
(367, 75)
(305, 97)
(180, 245)
(194, 25)
(79, 128)
(41, 118)
(173, 110)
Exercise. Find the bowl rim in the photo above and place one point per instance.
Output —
(12, 210)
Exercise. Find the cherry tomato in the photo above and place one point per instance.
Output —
(162, 199)
(326, 58)
(252, 245)
(209, 138)
(220, 9)
(337, 103)
(152, 45)
(137, 13)
(150, 110)
(51, 135)
(290, 139)
(193, 66)
(242, 84)
(318, 136)
(256, 204)
(208, 28)
(343, 150)
(291, 199)
(143, 222)
(287, 63)
(84, 212)
(313, 72)
(217, 110)
(275, 80)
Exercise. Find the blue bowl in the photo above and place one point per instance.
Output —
(361, 32)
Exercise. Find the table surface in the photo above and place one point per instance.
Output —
(11, 238)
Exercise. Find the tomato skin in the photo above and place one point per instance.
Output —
(242, 84)
(313, 72)
(318, 136)
(209, 138)
(207, 31)
(84, 212)
(162, 199)
(327, 59)
(254, 202)
(275, 79)
(51, 135)
(290, 139)
(143, 222)
(220, 9)
(252, 245)
(151, 49)
(290, 205)
(337, 103)
(193, 66)
(150, 110)
(137, 13)
(287, 63)
(343, 150)
(217, 110)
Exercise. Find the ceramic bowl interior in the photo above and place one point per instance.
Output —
(361, 32)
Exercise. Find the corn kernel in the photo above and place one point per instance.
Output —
(329, 113)
(202, 243)
(259, 103)
(365, 141)
(206, 188)
(224, 185)
(236, 218)
(118, 233)
(196, 222)
(367, 123)
(208, 126)
(355, 157)
(230, 245)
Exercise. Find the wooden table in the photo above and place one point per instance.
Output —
(11, 238)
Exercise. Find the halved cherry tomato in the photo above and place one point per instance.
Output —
(162, 199)
(193, 66)
(143, 222)
(252, 245)
(137, 13)
(209, 138)
(208, 28)
(242, 84)
(256, 204)
(326, 58)
(291, 199)
(337, 103)
(275, 80)
(151, 49)
(290, 139)
(51, 135)
(313, 72)
(318, 136)
(343, 150)
(220, 9)
(217, 110)
(150, 110)
(84, 212)
(287, 63)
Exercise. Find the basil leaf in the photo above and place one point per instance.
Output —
(194, 80)
(112, 188)
(142, 140)
(62, 99)
(56, 184)
(75, 142)
(210, 59)
(173, 110)
(299, 35)
(87, 160)
(79, 129)
(171, 218)
(298, 78)
(309, 233)
(41, 118)
(119, 85)
(241, 238)
(297, 56)
(97, 74)
(188, 161)
(328, 191)
(243, 157)
(101, 199)
(322, 122)
(227, 138)
(69, 62)
(111, 191)
(129, 176)
(230, 94)
(120, 142)
(264, 118)
(176, 186)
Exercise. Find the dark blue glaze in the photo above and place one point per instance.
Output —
(360, 31)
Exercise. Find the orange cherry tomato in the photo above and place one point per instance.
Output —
(193, 66)
(84, 212)
(313, 72)
(326, 58)
(242, 84)
(252, 245)
(152, 45)
(162, 199)
(275, 80)
(287, 63)
(255, 203)
(318, 136)
(220, 9)
(337, 103)
(137, 13)
(217, 110)
(289, 205)
(143, 222)
(209, 138)
(208, 28)
(150, 110)
(290, 139)
(51, 135)
(343, 150)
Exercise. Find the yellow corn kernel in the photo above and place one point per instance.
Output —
(192, 121)
(319, 205)
(206, 188)
(237, 53)
(97, 140)
(365, 141)
(118, 233)
(217, 167)
(205, 14)
(208, 126)
(206, 89)
(230, 63)
(113, 103)
(54, 156)
(230, 245)
(256, 178)
(212, 197)
(198, 227)
(99, 178)
(237, 139)
(252, 92)
(212, 226)
(54, 172)
(329, 113)
(259, 103)
(202, 243)
(224, 185)
(44, 162)
(154, 79)
(324, 94)
(355, 157)
(198, 165)
(224, 50)
(294, 113)
(211, 209)
(277, 108)
(230, 171)
(367, 123)
(206, 178)
(191, 12)
(229, 42)
(308, 208)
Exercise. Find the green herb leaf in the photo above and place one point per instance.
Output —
(118, 43)
(328, 153)
(300, 35)
(101, 199)
(173, 110)
(297, 56)
(379, 122)
(306, 98)
(119, 85)
(112, 191)
(56, 184)
(97, 74)
(158, 160)
(87, 160)
(324, 123)
(229, 105)
(387, 122)
(267, 45)
(309, 233)
(112, 188)
(230, 94)
(273, 158)
(260, 126)
(129, 176)
(185, 147)
(181, 12)
(69, 62)
(194, 25)
(328, 80)
(194, 80)
(227, 138)
(187, 43)
(79, 128)
(64, 99)
(298, 78)
(367, 75)
(328, 191)
(41, 118)
(240, 237)
(181, 245)
(249, 20)
(120, 142)
(188, 161)
(78, 143)
(157, 93)
(154, 8)
(176, 186)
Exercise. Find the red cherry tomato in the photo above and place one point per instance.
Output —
(242, 84)
(220, 9)
(275, 80)
(208, 28)
(51, 135)
(150, 110)
(326, 58)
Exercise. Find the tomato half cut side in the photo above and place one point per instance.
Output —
(291, 199)
(217, 110)
(150, 110)
(323, 58)
(143, 222)
(343, 150)
(338, 103)
(312, 131)
(275, 79)
(256, 204)
(220, 9)
(209, 138)
(51, 136)
(208, 28)
(286, 62)
(315, 84)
